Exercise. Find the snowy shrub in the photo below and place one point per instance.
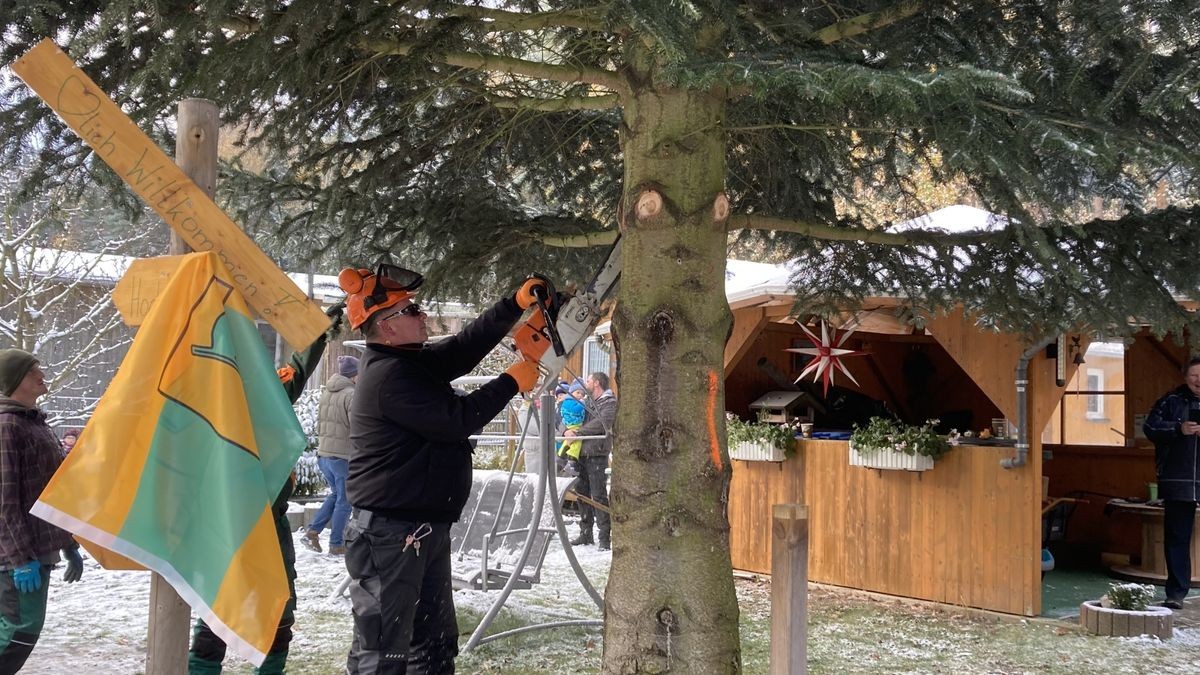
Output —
(309, 481)
(306, 412)
(1133, 597)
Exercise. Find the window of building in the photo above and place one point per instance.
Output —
(595, 357)
(1092, 410)
(1095, 402)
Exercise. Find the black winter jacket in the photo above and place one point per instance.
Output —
(410, 458)
(600, 420)
(1176, 457)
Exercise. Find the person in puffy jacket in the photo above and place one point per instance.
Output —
(410, 465)
(333, 456)
(1174, 426)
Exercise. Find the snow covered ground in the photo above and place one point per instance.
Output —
(99, 625)
(100, 622)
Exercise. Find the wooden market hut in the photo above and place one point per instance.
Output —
(969, 532)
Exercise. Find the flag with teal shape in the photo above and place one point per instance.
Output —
(186, 451)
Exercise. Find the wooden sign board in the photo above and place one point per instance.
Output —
(144, 281)
(167, 189)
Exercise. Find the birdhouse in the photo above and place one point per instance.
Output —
(780, 407)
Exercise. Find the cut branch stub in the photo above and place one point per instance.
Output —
(649, 205)
(720, 209)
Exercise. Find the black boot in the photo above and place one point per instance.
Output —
(584, 539)
(603, 543)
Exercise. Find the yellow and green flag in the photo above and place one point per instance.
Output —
(186, 451)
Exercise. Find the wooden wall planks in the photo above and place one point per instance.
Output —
(960, 534)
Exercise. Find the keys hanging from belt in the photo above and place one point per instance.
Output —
(414, 539)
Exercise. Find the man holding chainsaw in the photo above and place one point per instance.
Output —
(410, 464)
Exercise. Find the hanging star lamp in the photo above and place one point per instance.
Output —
(827, 354)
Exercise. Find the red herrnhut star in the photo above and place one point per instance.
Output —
(827, 354)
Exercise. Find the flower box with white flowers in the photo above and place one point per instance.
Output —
(886, 444)
(760, 441)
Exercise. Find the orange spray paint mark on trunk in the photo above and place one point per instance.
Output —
(714, 443)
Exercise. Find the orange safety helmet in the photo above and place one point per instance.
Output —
(367, 292)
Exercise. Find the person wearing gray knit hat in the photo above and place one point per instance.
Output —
(347, 366)
(14, 365)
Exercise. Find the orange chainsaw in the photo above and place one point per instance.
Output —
(562, 321)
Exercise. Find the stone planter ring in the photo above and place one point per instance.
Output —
(1098, 620)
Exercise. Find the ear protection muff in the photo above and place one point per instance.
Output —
(352, 280)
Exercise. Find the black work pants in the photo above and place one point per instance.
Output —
(208, 651)
(593, 483)
(21, 618)
(1178, 520)
(402, 599)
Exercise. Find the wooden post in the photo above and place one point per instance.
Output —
(170, 616)
(789, 589)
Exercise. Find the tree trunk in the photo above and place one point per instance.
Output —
(670, 604)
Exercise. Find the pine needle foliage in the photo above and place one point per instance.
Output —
(474, 139)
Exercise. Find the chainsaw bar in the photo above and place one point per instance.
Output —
(579, 317)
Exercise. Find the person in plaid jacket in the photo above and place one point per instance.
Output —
(29, 547)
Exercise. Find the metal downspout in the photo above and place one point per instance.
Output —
(1022, 382)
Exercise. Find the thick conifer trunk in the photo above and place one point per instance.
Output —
(670, 605)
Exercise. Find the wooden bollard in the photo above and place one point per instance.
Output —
(789, 589)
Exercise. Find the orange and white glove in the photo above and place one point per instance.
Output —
(525, 373)
(525, 297)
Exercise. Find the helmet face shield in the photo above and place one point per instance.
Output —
(389, 279)
(399, 279)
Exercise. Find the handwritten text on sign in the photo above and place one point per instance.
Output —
(169, 191)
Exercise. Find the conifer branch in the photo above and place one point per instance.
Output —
(864, 23)
(600, 102)
(495, 63)
(1140, 140)
(497, 18)
(521, 21)
(866, 236)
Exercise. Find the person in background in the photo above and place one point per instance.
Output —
(70, 436)
(29, 546)
(208, 650)
(571, 414)
(593, 462)
(333, 456)
(410, 465)
(1174, 427)
(561, 393)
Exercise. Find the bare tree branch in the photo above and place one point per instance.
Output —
(520, 21)
(864, 23)
(600, 102)
(494, 63)
(585, 240)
